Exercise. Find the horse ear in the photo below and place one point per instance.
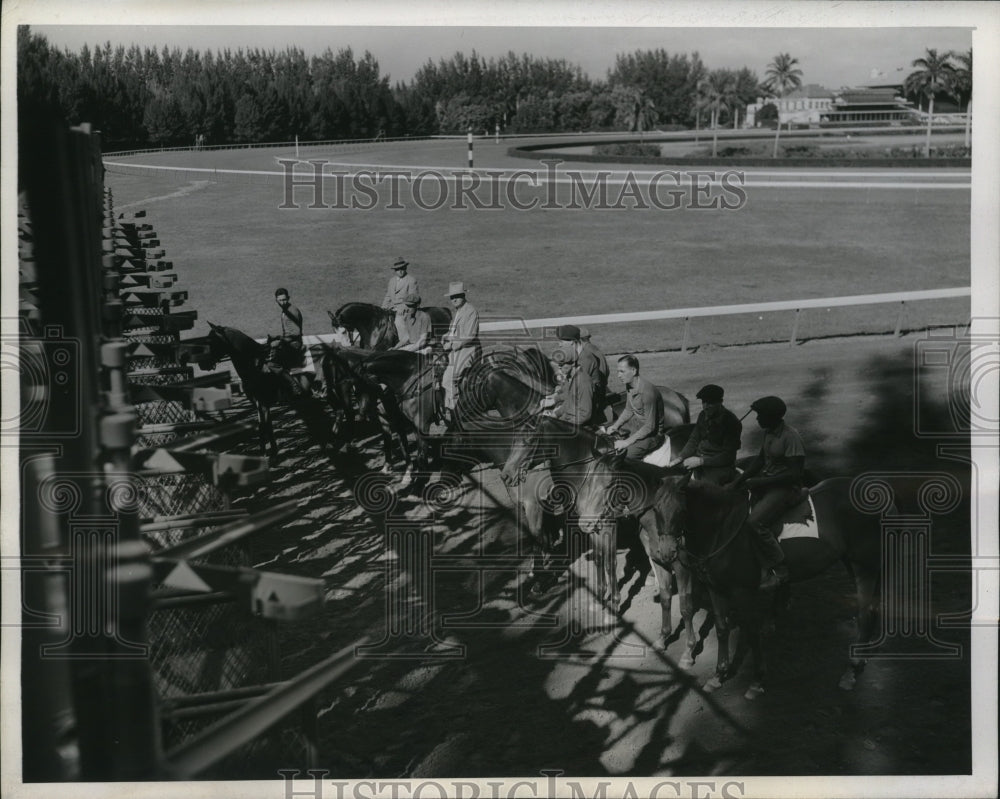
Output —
(683, 480)
(214, 327)
(618, 458)
(332, 315)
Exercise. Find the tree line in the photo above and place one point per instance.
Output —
(149, 97)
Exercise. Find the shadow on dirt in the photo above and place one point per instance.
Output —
(473, 676)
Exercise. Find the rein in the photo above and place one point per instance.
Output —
(702, 561)
(383, 328)
(415, 380)
(330, 350)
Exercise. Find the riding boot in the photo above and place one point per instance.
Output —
(774, 571)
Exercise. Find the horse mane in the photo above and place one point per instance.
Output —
(515, 381)
(711, 503)
(237, 341)
(348, 310)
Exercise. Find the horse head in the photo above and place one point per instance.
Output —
(342, 335)
(522, 453)
(218, 344)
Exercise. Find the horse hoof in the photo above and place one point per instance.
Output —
(754, 691)
(686, 662)
(712, 685)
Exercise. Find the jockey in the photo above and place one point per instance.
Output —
(591, 362)
(711, 450)
(461, 342)
(572, 401)
(290, 339)
(642, 418)
(602, 362)
(401, 285)
(774, 478)
(416, 327)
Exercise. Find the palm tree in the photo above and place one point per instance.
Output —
(641, 115)
(716, 92)
(963, 87)
(935, 73)
(782, 76)
(699, 103)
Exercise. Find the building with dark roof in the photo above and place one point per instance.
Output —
(869, 104)
(815, 105)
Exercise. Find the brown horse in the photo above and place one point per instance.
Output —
(615, 488)
(370, 327)
(719, 547)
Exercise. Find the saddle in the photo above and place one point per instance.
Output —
(799, 512)
(286, 355)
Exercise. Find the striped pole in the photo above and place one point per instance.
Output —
(469, 134)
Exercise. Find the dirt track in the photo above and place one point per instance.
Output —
(491, 685)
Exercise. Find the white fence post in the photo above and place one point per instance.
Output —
(795, 327)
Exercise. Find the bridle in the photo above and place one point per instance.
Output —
(700, 562)
(532, 442)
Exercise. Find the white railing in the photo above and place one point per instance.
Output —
(901, 298)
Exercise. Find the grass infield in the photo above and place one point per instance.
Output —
(232, 246)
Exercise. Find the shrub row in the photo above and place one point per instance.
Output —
(628, 148)
(752, 154)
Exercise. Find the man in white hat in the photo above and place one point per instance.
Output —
(401, 285)
(461, 342)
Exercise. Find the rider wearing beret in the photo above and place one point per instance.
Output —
(710, 452)
(774, 478)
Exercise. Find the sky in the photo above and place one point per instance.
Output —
(830, 56)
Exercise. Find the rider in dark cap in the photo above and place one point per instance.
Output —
(774, 478)
(590, 362)
(710, 393)
(568, 333)
(710, 452)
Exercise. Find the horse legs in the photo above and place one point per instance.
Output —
(604, 542)
(685, 596)
(866, 583)
(266, 430)
(532, 524)
(751, 636)
(723, 669)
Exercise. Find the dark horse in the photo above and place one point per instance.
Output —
(614, 488)
(355, 393)
(264, 388)
(371, 327)
(409, 394)
(719, 547)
